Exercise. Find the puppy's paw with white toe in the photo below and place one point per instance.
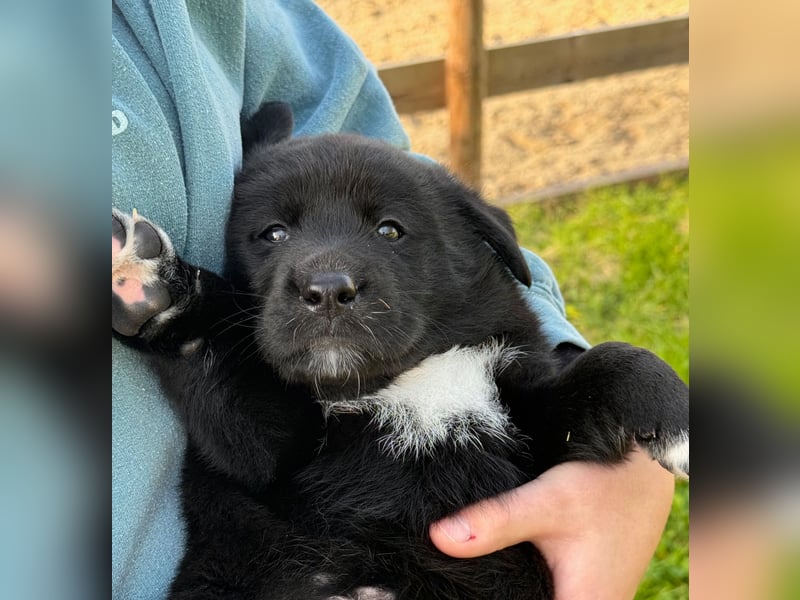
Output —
(142, 263)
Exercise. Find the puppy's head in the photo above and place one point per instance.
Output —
(363, 256)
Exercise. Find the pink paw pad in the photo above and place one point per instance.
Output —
(134, 302)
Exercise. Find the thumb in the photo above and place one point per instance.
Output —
(513, 517)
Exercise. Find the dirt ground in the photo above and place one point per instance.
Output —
(543, 137)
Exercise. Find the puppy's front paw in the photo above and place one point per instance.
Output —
(671, 450)
(142, 263)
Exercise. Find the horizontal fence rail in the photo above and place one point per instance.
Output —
(651, 173)
(420, 85)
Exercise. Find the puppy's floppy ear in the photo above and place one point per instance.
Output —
(495, 227)
(272, 123)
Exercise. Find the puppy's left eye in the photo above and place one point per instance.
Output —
(276, 234)
(390, 230)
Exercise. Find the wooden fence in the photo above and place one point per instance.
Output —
(471, 72)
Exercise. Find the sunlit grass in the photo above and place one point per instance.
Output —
(621, 256)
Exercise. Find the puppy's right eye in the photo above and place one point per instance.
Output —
(390, 230)
(275, 234)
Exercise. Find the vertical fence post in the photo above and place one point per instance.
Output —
(465, 87)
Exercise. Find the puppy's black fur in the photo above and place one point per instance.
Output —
(354, 269)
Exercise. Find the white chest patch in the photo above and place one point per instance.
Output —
(450, 397)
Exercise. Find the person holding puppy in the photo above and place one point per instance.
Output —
(182, 75)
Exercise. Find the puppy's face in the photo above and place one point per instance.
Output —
(360, 255)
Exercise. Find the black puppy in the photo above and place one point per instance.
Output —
(367, 366)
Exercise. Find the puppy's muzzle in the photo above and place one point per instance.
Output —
(328, 293)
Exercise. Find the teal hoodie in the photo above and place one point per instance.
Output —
(182, 74)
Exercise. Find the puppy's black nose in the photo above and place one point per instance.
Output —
(329, 291)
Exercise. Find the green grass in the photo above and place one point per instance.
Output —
(621, 257)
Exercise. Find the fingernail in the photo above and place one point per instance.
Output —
(456, 528)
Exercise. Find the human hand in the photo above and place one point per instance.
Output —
(596, 525)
